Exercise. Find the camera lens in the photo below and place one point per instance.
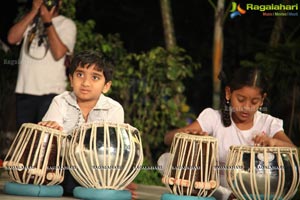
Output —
(50, 4)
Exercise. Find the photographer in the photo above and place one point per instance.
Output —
(46, 37)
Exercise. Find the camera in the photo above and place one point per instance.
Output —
(50, 3)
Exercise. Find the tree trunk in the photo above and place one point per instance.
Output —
(217, 52)
(290, 131)
(147, 153)
(276, 32)
(278, 28)
(168, 26)
(274, 41)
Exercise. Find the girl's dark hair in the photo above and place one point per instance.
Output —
(245, 76)
(88, 58)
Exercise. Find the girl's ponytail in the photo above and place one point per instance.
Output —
(225, 104)
(225, 111)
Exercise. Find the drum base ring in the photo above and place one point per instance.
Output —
(168, 196)
(261, 196)
(100, 194)
(33, 190)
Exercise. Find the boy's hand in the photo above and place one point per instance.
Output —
(51, 124)
(132, 187)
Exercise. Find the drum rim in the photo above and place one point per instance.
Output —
(193, 136)
(261, 148)
(102, 123)
(43, 128)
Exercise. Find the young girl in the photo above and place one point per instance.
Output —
(239, 122)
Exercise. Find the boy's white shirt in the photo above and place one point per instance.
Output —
(65, 111)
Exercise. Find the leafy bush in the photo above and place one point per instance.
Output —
(150, 87)
(149, 175)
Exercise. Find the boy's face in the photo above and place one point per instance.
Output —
(88, 84)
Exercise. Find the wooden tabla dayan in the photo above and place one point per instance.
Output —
(191, 170)
(105, 155)
(36, 156)
(263, 172)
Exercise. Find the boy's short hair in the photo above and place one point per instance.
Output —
(89, 58)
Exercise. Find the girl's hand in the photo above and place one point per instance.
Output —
(263, 140)
(51, 124)
(195, 132)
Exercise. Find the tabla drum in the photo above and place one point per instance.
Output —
(105, 155)
(263, 172)
(191, 170)
(35, 156)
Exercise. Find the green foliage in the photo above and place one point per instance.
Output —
(282, 61)
(150, 87)
(148, 175)
(111, 45)
(68, 8)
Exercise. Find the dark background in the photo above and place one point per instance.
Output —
(140, 27)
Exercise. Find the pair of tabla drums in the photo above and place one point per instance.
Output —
(262, 173)
(99, 155)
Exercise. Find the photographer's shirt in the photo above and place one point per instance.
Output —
(39, 73)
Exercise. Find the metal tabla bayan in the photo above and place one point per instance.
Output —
(105, 155)
(191, 170)
(263, 172)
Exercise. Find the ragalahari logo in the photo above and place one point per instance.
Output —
(236, 10)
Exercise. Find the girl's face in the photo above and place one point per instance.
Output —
(88, 84)
(244, 102)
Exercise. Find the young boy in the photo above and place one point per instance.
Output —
(90, 77)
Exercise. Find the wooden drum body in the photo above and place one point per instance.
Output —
(105, 155)
(36, 156)
(191, 170)
(263, 172)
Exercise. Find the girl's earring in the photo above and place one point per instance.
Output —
(227, 105)
(227, 102)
